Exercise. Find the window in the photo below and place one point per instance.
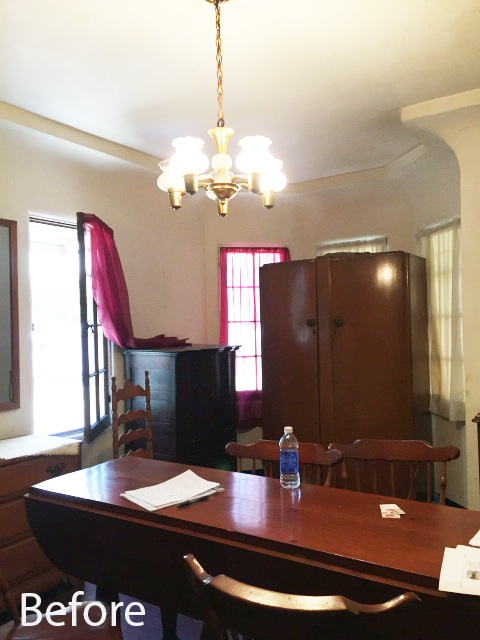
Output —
(440, 245)
(57, 355)
(70, 354)
(95, 352)
(240, 308)
(370, 244)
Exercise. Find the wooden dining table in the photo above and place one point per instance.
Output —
(314, 540)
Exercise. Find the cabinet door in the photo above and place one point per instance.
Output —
(371, 351)
(289, 349)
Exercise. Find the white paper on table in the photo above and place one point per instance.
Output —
(460, 571)
(475, 540)
(183, 487)
(152, 507)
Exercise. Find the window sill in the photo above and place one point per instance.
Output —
(77, 434)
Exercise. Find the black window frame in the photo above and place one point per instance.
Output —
(92, 429)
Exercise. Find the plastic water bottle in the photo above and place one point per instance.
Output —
(289, 472)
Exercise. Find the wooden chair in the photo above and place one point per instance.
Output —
(390, 463)
(127, 392)
(314, 461)
(259, 613)
(44, 630)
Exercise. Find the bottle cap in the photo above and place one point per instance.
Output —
(288, 430)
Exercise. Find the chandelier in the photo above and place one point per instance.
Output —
(184, 172)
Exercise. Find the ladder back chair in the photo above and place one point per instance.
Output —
(45, 631)
(261, 614)
(392, 463)
(315, 462)
(126, 393)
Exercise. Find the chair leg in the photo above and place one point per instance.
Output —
(169, 624)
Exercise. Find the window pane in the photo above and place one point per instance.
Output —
(88, 282)
(240, 304)
(245, 374)
(102, 394)
(243, 333)
(259, 373)
(88, 254)
(101, 347)
(91, 350)
(257, 303)
(93, 401)
(242, 266)
(259, 338)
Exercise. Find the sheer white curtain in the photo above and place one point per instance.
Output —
(441, 247)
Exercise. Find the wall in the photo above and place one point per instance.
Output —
(302, 221)
(171, 259)
(434, 191)
(162, 254)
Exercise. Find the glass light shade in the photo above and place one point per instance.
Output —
(222, 161)
(273, 179)
(255, 156)
(169, 179)
(188, 158)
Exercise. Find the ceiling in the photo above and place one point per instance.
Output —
(324, 79)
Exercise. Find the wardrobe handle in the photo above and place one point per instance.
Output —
(311, 322)
(337, 323)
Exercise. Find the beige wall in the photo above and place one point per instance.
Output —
(162, 254)
(171, 259)
(455, 120)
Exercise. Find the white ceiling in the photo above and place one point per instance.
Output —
(323, 79)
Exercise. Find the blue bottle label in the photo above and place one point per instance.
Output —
(289, 461)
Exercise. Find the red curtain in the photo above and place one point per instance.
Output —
(110, 291)
(240, 322)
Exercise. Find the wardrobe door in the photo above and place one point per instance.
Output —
(371, 347)
(289, 349)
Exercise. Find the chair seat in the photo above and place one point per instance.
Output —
(45, 631)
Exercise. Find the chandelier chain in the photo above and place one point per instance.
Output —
(218, 42)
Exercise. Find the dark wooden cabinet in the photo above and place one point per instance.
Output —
(345, 347)
(193, 400)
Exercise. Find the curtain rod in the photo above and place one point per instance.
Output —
(53, 222)
(438, 226)
(352, 241)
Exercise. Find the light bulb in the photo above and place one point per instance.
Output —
(273, 179)
(188, 158)
(255, 156)
(169, 179)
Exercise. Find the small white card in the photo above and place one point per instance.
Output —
(391, 511)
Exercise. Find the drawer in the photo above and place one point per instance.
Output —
(22, 560)
(17, 477)
(13, 522)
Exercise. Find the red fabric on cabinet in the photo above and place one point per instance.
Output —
(111, 294)
(240, 321)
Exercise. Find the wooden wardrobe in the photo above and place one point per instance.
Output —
(345, 347)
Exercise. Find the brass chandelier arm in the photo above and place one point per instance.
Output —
(242, 181)
(205, 180)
